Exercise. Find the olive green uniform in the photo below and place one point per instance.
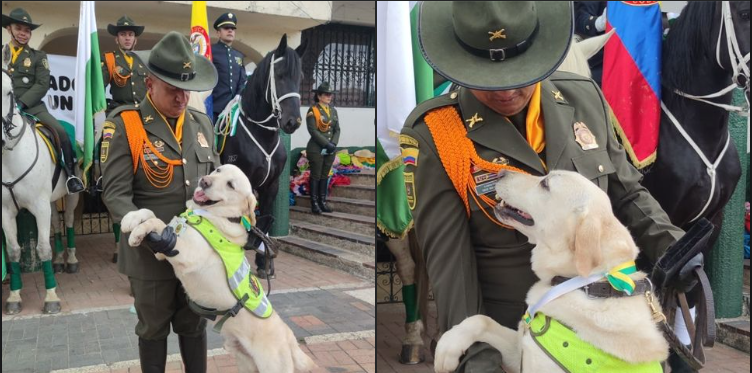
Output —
(134, 89)
(159, 297)
(478, 267)
(31, 81)
(321, 164)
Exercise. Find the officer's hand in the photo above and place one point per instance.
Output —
(330, 148)
(686, 280)
(164, 243)
(600, 22)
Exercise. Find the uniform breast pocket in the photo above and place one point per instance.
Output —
(24, 79)
(141, 75)
(205, 161)
(596, 166)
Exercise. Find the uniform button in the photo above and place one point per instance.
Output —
(188, 183)
(132, 83)
(453, 95)
(600, 168)
(137, 104)
(184, 161)
(210, 158)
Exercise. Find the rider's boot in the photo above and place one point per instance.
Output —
(73, 184)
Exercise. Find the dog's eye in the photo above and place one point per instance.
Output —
(544, 183)
(229, 184)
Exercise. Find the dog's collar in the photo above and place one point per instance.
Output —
(617, 278)
(245, 220)
(605, 289)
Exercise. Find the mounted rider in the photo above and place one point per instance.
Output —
(30, 72)
(125, 76)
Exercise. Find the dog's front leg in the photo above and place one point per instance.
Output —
(478, 328)
(140, 231)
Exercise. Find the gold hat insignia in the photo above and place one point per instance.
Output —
(497, 35)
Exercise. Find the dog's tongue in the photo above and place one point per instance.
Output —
(199, 196)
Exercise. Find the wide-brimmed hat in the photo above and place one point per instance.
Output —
(19, 15)
(125, 23)
(173, 61)
(324, 87)
(226, 20)
(495, 45)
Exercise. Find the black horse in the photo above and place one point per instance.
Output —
(680, 179)
(269, 102)
(695, 172)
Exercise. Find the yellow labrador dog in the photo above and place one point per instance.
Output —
(570, 221)
(265, 345)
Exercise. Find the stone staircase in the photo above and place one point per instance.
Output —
(344, 239)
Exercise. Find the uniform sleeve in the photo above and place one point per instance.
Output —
(637, 209)
(585, 14)
(242, 77)
(34, 95)
(442, 227)
(117, 174)
(316, 135)
(105, 72)
(335, 134)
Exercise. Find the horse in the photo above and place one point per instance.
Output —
(27, 175)
(697, 166)
(580, 51)
(256, 148)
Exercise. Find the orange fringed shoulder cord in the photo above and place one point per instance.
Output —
(320, 124)
(159, 177)
(458, 155)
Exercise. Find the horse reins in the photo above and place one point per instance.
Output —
(271, 92)
(740, 70)
(9, 126)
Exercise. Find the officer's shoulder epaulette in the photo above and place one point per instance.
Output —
(198, 114)
(428, 105)
(116, 112)
(560, 76)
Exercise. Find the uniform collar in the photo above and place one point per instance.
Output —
(154, 124)
(559, 119)
(496, 132)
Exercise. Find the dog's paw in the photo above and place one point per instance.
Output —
(452, 345)
(140, 231)
(134, 218)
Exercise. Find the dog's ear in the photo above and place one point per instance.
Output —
(251, 208)
(587, 242)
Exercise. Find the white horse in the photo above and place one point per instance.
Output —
(580, 51)
(27, 177)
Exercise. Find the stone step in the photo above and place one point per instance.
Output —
(340, 204)
(359, 265)
(342, 239)
(359, 224)
(362, 192)
(733, 332)
(367, 178)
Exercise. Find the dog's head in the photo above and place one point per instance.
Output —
(226, 192)
(568, 218)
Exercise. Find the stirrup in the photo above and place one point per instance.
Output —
(80, 185)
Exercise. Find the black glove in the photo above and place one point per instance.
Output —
(686, 280)
(330, 148)
(162, 244)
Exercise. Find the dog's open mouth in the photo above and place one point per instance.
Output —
(504, 210)
(201, 199)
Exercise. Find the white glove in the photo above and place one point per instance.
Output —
(600, 22)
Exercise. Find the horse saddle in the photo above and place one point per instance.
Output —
(50, 138)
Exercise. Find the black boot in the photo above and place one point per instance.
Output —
(261, 267)
(153, 355)
(315, 196)
(323, 189)
(193, 352)
(73, 184)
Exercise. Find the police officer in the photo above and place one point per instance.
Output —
(589, 21)
(512, 109)
(152, 156)
(323, 125)
(125, 76)
(30, 73)
(229, 63)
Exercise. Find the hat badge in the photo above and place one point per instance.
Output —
(126, 23)
(25, 18)
(497, 35)
(229, 15)
(187, 65)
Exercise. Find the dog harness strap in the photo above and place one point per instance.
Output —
(574, 355)
(243, 284)
(616, 277)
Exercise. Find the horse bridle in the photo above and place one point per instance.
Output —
(8, 126)
(271, 93)
(739, 66)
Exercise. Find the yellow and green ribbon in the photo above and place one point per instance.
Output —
(619, 279)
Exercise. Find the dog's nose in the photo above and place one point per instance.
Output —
(204, 182)
(502, 173)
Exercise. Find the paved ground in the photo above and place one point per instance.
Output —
(331, 312)
(390, 331)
